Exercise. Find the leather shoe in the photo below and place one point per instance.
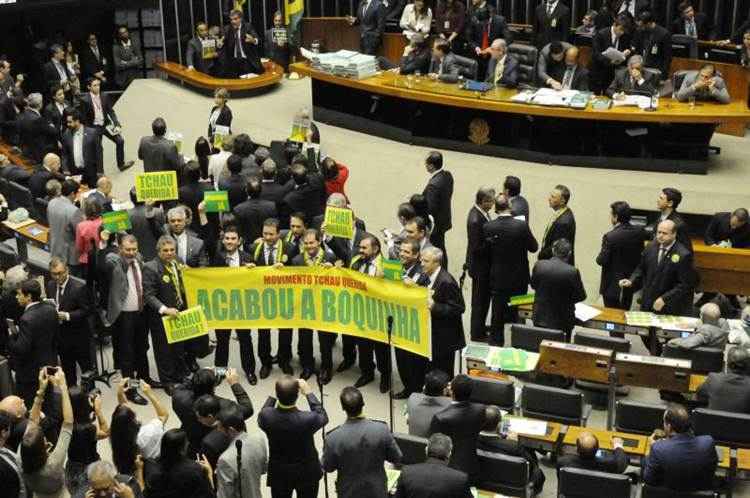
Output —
(345, 365)
(252, 379)
(364, 380)
(325, 376)
(155, 384)
(385, 384)
(306, 373)
(136, 398)
(265, 371)
(287, 369)
(127, 165)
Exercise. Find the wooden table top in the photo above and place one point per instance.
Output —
(26, 230)
(635, 444)
(273, 75)
(498, 99)
(553, 432)
(743, 459)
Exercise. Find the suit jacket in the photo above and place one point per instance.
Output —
(619, 256)
(439, 193)
(720, 230)
(683, 233)
(602, 70)
(184, 478)
(451, 68)
(274, 192)
(417, 60)
(682, 462)
(250, 216)
(254, 461)
(35, 345)
(494, 443)
(547, 68)
(63, 217)
(37, 135)
(703, 25)
(580, 79)
(729, 392)
(90, 64)
(308, 198)
(17, 174)
(655, 46)
(39, 179)
(612, 462)
(194, 56)
(87, 110)
(251, 51)
(196, 249)
(127, 61)
(213, 445)
(673, 279)
(549, 28)
(519, 206)
(509, 77)
(357, 451)
(508, 243)
(421, 408)
(53, 115)
(558, 288)
(432, 479)
(224, 119)
(624, 83)
(51, 74)
(293, 459)
(191, 194)
(93, 159)
(159, 290)
(707, 335)
(462, 421)
(143, 230)
(236, 187)
(496, 26)
(158, 154)
(718, 94)
(446, 312)
(563, 227)
(116, 270)
(220, 258)
(346, 249)
(372, 21)
(76, 301)
(477, 259)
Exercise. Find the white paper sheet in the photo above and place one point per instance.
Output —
(584, 312)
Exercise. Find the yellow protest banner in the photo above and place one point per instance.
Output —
(188, 324)
(330, 299)
(157, 186)
(339, 222)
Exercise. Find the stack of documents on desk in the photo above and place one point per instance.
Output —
(665, 322)
(551, 97)
(640, 101)
(501, 359)
(344, 63)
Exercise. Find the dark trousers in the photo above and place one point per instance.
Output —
(74, 348)
(349, 348)
(238, 67)
(444, 362)
(382, 357)
(326, 340)
(303, 491)
(412, 369)
(130, 344)
(501, 314)
(119, 144)
(622, 302)
(285, 346)
(169, 357)
(369, 43)
(480, 304)
(437, 239)
(247, 357)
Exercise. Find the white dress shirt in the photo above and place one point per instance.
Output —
(78, 148)
(182, 243)
(131, 299)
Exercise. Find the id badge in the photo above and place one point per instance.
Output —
(553, 23)
(655, 50)
(447, 25)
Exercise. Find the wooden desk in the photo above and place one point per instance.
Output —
(15, 158)
(273, 75)
(611, 320)
(28, 232)
(547, 442)
(634, 444)
(721, 269)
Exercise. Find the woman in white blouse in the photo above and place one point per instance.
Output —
(417, 18)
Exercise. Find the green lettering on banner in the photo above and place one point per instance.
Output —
(156, 186)
(339, 222)
(308, 304)
(204, 303)
(415, 326)
(219, 302)
(116, 221)
(286, 303)
(186, 325)
(345, 307)
(216, 201)
(328, 305)
(252, 306)
(269, 304)
(358, 311)
(235, 305)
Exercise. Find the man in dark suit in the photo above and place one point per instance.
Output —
(240, 52)
(558, 288)
(14, 173)
(194, 57)
(371, 20)
(633, 79)
(293, 460)
(693, 24)
(619, 256)
(35, 344)
(586, 457)
(252, 213)
(92, 60)
(462, 421)
(142, 228)
(602, 67)
(415, 58)
(191, 249)
(231, 255)
(477, 261)
(157, 152)
(551, 23)
(561, 226)
(681, 461)
(38, 136)
(445, 65)
(439, 195)
(572, 75)
(48, 170)
(55, 110)
(235, 185)
(271, 189)
(502, 69)
(272, 250)
(73, 310)
(90, 161)
(56, 71)
(654, 44)
(729, 229)
(446, 308)
(192, 191)
(667, 203)
(519, 206)
(434, 478)
(551, 63)
(730, 391)
(98, 113)
(305, 193)
(508, 241)
(482, 28)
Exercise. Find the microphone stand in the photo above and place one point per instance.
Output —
(390, 370)
(322, 405)
(238, 445)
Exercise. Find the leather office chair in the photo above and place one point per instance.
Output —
(528, 337)
(5, 188)
(413, 448)
(40, 211)
(19, 196)
(469, 67)
(687, 44)
(526, 55)
(727, 428)
(8, 257)
(504, 474)
(580, 483)
(620, 345)
(638, 418)
(678, 77)
(648, 491)
(494, 392)
(554, 405)
(704, 360)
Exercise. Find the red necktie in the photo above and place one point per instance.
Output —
(486, 37)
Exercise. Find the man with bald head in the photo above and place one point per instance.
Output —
(102, 194)
(573, 76)
(49, 169)
(589, 457)
(713, 331)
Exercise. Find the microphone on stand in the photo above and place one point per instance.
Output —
(389, 320)
(238, 445)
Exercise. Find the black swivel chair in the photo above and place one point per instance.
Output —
(413, 448)
(469, 67)
(638, 418)
(40, 211)
(704, 360)
(504, 474)
(494, 392)
(684, 46)
(554, 405)
(20, 196)
(526, 55)
(648, 491)
(727, 428)
(529, 338)
(580, 483)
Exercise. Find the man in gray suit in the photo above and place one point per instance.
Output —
(158, 153)
(421, 407)
(142, 227)
(63, 217)
(713, 331)
(190, 249)
(705, 85)
(357, 450)
(249, 450)
(444, 65)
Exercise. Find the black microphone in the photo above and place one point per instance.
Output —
(390, 323)
(238, 445)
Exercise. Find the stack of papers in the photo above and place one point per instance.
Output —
(584, 312)
(640, 101)
(614, 55)
(502, 359)
(345, 63)
(552, 97)
(666, 322)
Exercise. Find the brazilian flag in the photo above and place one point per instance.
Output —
(293, 12)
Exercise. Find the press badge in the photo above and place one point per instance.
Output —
(447, 25)
(654, 50)
(553, 23)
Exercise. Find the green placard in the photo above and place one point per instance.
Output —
(157, 186)
(186, 325)
(393, 269)
(339, 222)
(216, 201)
(519, 300)
(116, 221)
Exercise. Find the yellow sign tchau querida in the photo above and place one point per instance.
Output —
(339, 222)
(188, 324)
(330, 299)
(156, 186)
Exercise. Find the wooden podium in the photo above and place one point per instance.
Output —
(668, 374)
(574, 360)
